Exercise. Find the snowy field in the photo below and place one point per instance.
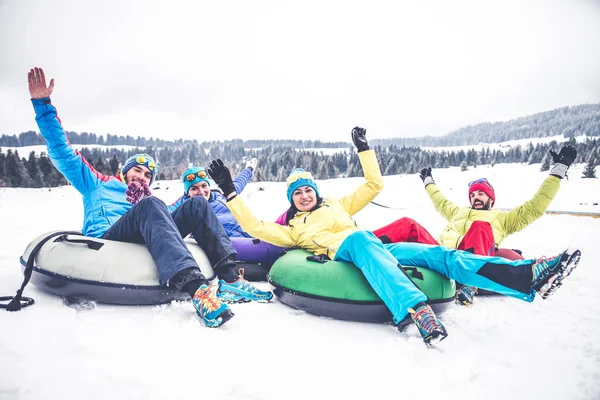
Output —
(500, 348)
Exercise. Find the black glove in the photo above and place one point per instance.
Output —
(426, 176)
(566, 156)
(222, 177)
(562, 160)
(359, 139)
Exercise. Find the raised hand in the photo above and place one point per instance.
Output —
(37, 84)
(136, 192)
(359, 139)
(426, 176)
(566, 156)
(562, 160)
(222, 176)
(252, 164)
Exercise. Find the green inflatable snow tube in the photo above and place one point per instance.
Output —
(339, 289)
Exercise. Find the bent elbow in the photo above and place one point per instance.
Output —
(377, 185)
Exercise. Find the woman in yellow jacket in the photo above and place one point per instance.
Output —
(325, 227)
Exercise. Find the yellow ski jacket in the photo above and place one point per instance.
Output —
(503, 223)
(323, 230)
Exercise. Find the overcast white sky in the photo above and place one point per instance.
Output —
(308, 69)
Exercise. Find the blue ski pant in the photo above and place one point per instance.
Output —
(150, 222)
(380, 263)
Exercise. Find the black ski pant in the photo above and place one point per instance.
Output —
(150, 222)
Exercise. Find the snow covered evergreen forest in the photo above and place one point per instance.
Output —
(24, 163)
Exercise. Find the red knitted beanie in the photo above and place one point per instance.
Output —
(484, 187)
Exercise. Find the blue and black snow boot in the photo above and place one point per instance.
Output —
(465, 295)
(242, 291)
(548, 273)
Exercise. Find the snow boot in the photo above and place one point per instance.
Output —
(548, 273)
(430, 327)
(241, 291)
(465, 295)
(213, 312)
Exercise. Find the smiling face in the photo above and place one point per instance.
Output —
(139, 174)
(304, 198)
(200, 189)
(480, 200)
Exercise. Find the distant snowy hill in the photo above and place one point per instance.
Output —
(565, 122)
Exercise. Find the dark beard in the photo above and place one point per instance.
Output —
(486, 206)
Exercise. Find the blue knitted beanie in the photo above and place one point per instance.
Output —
(140, 159)
(187, 184)
(298, 178)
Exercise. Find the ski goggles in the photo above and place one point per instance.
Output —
(141, 160)
(482, 180)
(192, 177)
(300, 175)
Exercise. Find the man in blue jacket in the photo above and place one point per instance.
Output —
(122, 208)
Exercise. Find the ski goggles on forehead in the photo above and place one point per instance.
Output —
(144, 161)
(482, 180)
(300, 175)
(192, 177)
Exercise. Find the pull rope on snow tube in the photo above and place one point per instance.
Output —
(390, 207)
(19, 301)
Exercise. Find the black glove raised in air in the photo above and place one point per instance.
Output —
(222, 177)
(359, 139)
(562, 160)
(426, 176)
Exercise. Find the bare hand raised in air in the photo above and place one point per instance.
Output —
(37, 84)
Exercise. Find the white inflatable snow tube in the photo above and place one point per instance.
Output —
(76, 266)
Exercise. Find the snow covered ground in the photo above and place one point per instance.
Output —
(500, 348)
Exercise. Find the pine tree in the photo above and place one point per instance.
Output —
(100, 167)
(16, 171)
(48, 171)
(545, 163)
(114, 165)
(34, 172)
(589, 171)
(3, 178)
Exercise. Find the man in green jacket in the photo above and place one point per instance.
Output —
(478, 228)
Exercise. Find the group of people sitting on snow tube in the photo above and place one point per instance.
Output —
(122, 208)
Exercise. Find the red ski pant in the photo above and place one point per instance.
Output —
(478, 240)
(405, 230)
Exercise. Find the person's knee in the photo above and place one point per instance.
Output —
(151, 202)
(197, 208)
(361, 237)
(406, 221)
(197, 202)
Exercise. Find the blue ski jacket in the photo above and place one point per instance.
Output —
(218, 203)
(103, 196)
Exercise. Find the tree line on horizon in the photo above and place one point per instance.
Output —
(278, 157)
(566, 121)
(276, 162)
